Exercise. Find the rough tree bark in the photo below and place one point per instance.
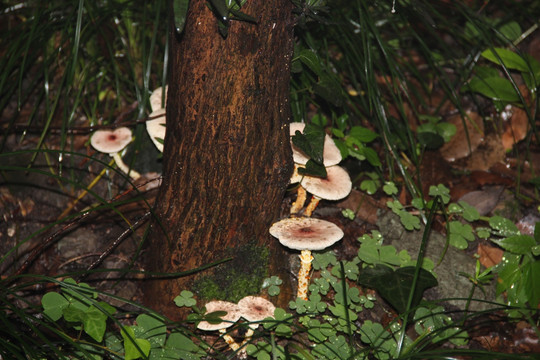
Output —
(227, 159)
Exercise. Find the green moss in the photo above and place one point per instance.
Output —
(241, 276)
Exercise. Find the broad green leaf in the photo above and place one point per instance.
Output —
(151, 329)
(510, 59)
(134, 348)
(531, 274)
(496, 88)
(362, 134)
(95, 323)
(313, 169)
(329, 89)
(395, 286)
(511, 30)
(311, 142)
(53, 305)
(180, 8)
(517, 244)
(74, 313)
(311, 60)
(503, 226)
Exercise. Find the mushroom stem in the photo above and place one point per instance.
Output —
(312, 205)
(300, 200)
(229, 340)
(303, 274)
(122, 166)
(247, 338)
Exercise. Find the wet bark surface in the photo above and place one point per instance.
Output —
(227, 158)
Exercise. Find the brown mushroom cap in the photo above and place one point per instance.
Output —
(335, 186)
(256, 308)
(156, 128)
(306, 233)
(155, 99)
(331, 154)
(232, 316)
(111, 141)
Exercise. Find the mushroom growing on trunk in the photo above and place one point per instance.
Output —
(305, 234)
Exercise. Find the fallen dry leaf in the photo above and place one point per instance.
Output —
(516, 129)
(489, 255)
(471, 128)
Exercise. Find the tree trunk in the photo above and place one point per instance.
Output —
(227, 159)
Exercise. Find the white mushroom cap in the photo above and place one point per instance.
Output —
(255, 308)
(156, 128)
(111, 141)
(306, 233)
(155, 99)
(232, 316)
(331, 154)
(335, 186)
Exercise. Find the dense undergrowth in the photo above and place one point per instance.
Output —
(383, 78)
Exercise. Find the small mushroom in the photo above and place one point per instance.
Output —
(331, 153)
(305, 234)
(232, 316)
(336, 186)
(254, 309)
(156, 128)
(112, 142)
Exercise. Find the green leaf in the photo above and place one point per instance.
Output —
(180, 8)
(362, 134)
(503, 226)
(311, 60)
(430, 140)
(460, 234)
(495, 88)
(152, 329)
(390, 188)
(311, 142)
(469, 212)
(74, 313)
(510, 59)
(395, 286)
(517, 244)
(409, 221)
(95, 323)
(440, 190)
(132, 345)
(54, 305)
(185, 299)
(313, 169)
(531, 274)
(329, 89)
(369, 186)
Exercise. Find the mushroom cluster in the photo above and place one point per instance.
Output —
(252, 308)
(305, 233)
(337, 184)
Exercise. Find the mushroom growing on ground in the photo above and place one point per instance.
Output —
(254, 309)
(336, 186)
(305, 234)
(112, 142)
(232, 316)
